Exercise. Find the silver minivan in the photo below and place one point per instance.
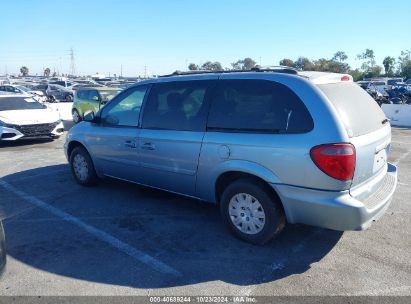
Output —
(269, 146)
(2, 249)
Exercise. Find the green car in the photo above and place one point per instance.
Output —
(91, 99)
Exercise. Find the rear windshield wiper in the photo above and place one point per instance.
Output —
(385, 121)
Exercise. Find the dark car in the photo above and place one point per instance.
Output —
(62, 83)
(2, 249)
(57, 92)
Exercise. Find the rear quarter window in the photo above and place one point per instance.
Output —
(358, 111)
(257, 106)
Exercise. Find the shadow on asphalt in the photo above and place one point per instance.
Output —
(26, 142)
(185, 234)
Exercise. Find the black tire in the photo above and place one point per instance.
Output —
(76, 116)
(69, 98)
(89, 178)
(274, 215)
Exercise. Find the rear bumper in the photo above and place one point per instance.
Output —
(337, 210)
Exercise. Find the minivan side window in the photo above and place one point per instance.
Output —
(124, 110)
(177, 106)
(250, 105)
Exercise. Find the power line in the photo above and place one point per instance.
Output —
(72, 63)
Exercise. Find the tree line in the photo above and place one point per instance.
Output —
(24, 71)
(390, 66)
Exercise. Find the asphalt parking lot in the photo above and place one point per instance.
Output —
(122, 239)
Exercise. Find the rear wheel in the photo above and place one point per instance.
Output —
(251, 212)
(69, 98)
(76, 116)
(82, 167)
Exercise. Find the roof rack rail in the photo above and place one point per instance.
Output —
(273, 69)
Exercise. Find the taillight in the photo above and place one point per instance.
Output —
(345, 78)
(335, 160)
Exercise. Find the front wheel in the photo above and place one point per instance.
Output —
(82, 167)
(69, 98)
(251, 212)
(76, 116)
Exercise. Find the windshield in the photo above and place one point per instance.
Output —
(19, 103)
(58, 87)
(23, 88)
(108, 95)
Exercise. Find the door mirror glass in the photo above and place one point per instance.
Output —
(90, 117)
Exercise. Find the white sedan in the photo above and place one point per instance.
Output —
(14, 88)
(21, 116)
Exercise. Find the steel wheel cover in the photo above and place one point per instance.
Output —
(246, 213)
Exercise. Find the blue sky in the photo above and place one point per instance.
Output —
(166, 35)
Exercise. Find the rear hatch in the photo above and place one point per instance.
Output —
(368, 129)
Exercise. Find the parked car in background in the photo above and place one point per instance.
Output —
(393, 81)
(375, 87)
(75, 86)
(2, 249)
(38, 95)
(4, 80)
(270, 146)
(55, 92)
(363, 84)
(21, 116)
(60, 93)
(62, 83)
(91, 99)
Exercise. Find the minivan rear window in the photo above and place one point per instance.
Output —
(358, 111)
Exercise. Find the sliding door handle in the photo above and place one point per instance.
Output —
(130, 144)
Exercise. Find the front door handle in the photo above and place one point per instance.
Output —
(148, 146)
(130, 144)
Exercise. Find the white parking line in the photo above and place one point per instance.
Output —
(101, 235)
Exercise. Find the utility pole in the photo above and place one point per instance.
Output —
(72, 63)
(121, 71)
(145, 72)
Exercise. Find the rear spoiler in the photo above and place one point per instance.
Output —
(324, 77)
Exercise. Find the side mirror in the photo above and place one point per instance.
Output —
(90, 117)
(95, 98)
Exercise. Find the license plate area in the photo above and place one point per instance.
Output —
(380, 159)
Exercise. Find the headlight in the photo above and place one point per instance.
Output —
(3, 124)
